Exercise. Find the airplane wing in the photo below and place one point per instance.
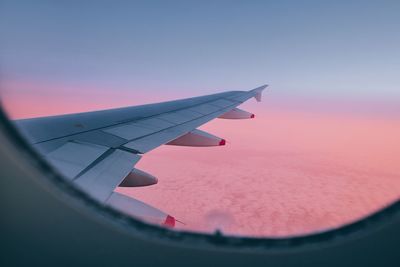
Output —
(97, 151)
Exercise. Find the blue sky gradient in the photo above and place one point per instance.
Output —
(315, 49)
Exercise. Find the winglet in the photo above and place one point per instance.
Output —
(258, 92)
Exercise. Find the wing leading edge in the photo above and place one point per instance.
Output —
(98, 150)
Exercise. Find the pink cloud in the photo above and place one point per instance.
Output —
(280, 174)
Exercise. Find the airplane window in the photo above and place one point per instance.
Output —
(321, 151)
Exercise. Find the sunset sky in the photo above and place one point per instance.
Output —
(324, 148)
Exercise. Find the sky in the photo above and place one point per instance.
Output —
(330, 114)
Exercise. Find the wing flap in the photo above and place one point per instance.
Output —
(129, 131)
(223, 103)
(155, 123)
(174, 117)
(72, 158)
(204, 108)
(150, 142)
(101, 180)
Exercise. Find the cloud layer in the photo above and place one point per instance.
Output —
(281, 174)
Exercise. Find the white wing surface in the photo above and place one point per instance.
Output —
(98, 150)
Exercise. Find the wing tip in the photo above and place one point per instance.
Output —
(258, 92)
(260, 88)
